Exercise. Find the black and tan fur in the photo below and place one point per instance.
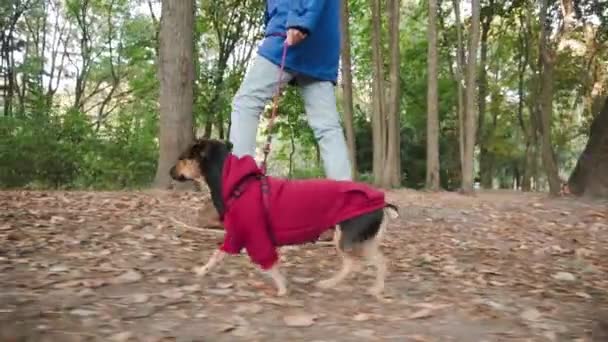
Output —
(355, 239)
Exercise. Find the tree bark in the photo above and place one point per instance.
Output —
(176, 73)
(459, 80)
(547, 64)
(485, 165)
(590, 175)
(392, 169)
(378, 115)
(432, 123)
(470, 119)
(347, 86)
(527, 130)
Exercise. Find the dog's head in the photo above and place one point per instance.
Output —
(195, 161)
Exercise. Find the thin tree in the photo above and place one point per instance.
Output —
(470, 117)
(385, 117)
(347, 86)
(459, 76)
(378, 97)
(432, 123)
(392, 171)
(547, 65)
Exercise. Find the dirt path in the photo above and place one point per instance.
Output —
(83, 266)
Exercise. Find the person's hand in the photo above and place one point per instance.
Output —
(294, 36)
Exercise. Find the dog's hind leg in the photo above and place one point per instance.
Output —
(372, 252)
(348, 264)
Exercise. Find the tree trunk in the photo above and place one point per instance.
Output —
(487, 158)
(347, 86)
(392, 170)
(470, 118)
(485, 169)
(527, 130)
(432, 121)
(459, 80)
(176, 74)
(547, 64)
(590, 176)
(378, 114)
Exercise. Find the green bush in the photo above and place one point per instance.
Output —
(63, 151)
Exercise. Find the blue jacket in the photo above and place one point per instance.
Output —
(318, 55)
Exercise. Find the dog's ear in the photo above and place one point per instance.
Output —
(200, 149)
(229, 146)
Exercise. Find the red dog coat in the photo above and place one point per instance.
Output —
(299, 210)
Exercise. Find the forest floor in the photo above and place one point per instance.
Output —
(117, 266)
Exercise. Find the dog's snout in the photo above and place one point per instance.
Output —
(176, 175)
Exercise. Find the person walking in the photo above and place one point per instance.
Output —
(311, 29)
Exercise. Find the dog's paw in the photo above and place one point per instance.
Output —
(200, 271)
(326, 284)
(376, 291)
(281, 292)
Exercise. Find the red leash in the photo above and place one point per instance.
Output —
(265, 186)
(275, 105)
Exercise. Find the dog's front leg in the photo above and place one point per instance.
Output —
(217, 256)
(279, 279)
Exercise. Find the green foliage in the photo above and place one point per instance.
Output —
(48, 140)
(62, 151)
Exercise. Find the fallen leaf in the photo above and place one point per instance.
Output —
(57, 219)
(191, 288)
(432, 306)
(248, 308)
(283, 302)
(227, 327)
(299, 320)
(564, 276)
(241, 331)
(83, 312)
(224, 285)
(121, 336)
(530, 314)
(361, 317)
(420, 314)
(93, 283)
(172, 293)
(583, 295)
(139, 298)
(364, 333)
(419, 338)
(85, 293)
(302, 280)
(149, 236)
(131, 276)
(105, 252)
(127, 228)
(219, 292)
(58, 269)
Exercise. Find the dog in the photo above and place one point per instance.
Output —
(261, 213)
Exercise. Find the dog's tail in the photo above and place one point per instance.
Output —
(391, 210)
